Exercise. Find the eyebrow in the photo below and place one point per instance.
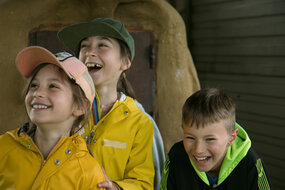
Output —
(50, 80)
(100, 38)
(209, 136)
(105, 38)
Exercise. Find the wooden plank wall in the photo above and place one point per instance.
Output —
(239, 45)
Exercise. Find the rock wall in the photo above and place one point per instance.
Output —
(176, 76)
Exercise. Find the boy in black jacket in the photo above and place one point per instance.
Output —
(216, 152)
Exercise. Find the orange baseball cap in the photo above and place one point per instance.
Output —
(30, 57)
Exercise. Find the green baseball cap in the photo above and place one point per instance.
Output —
(72, 35)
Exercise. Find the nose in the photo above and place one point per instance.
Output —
(199, 147)
(39, 92)
(91, 52)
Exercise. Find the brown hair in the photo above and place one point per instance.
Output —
(78, 97)
(124, 84)
(209, 105)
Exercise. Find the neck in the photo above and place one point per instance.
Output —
(108, 97)
(106, 94)
(47, 137)
(214, 173)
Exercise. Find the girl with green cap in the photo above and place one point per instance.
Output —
(124, 139)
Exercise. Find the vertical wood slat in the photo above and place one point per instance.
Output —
(240, 46)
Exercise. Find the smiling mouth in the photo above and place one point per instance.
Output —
(38, 106)
(201, 159)
(93, 66)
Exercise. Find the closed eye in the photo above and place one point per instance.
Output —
(102, 45)
(190, 138)
(34, 86)
(53, 86)
(210, 139)
(83, 46)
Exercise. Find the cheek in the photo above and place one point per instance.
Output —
(63, 98)
(113, 56)
(68, 99)
(28, 99)
(218, 149)
(187, 146)
(81, 57)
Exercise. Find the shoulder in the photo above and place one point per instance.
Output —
(8, 137)
(5, 139)
(8, 142)
(133, 105)
(85, 160)
(252, 169)
(177, 153)
(253, 160)
(89, 164)
(178, 159)
(91, 169)
(178, 169)
(247, 166)
(251, 157)
(137, 111)
(177, 148)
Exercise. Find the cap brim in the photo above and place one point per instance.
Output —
(72, 35)
(31, 57)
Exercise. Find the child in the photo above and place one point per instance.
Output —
(216, 152)
(121, 128)
(47, 153)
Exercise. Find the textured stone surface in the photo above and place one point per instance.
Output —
(176, 77)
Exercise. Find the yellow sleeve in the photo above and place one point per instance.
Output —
(94, 175)
(139, 172)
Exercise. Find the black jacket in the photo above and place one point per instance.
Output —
(179, 173)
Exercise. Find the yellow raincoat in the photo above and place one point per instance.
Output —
(122, 143)
(68, 166)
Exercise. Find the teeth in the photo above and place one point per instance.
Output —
(90, 65)
(201, 158)
(39, 106)
(93, 65)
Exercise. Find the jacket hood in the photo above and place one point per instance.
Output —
(235, 153)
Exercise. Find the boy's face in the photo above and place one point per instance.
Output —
(207, 145)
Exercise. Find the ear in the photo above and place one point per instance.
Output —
(126, 64)
(79, 110)
(233, 137)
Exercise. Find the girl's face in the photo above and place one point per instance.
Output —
(49, 99)
(207, 146)
(102, 56)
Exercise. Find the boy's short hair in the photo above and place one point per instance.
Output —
(207, 106)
